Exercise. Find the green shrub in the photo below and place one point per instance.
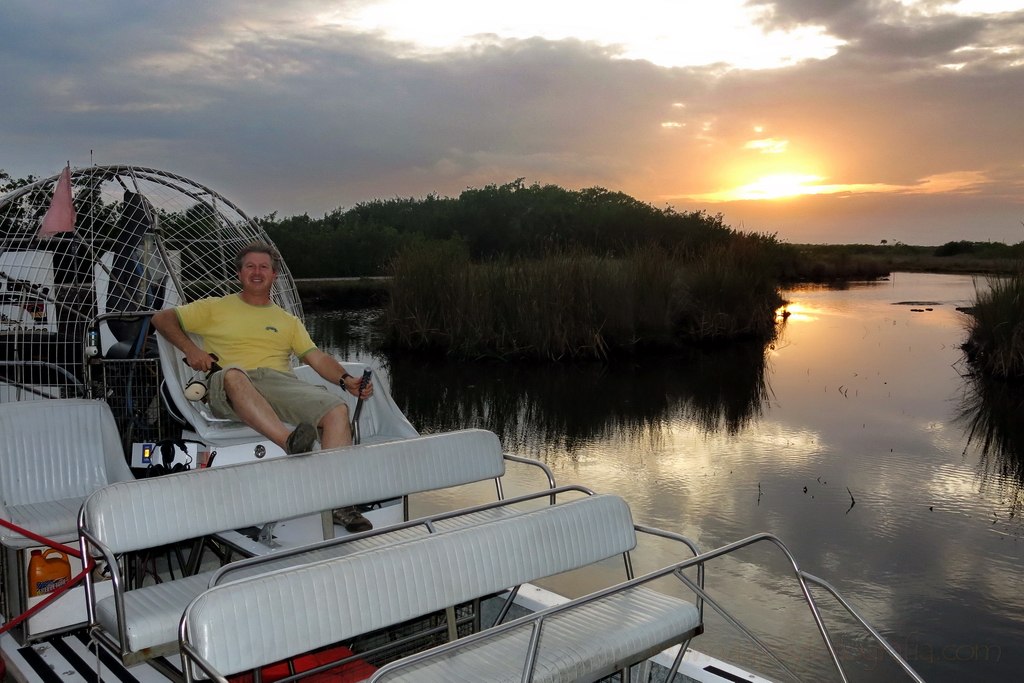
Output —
(955, 248)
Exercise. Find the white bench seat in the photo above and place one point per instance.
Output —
(585, 643)
(246, 624)
(53, 454)
(342, 547)
(151, 613)
(202, 502)
(49, 519)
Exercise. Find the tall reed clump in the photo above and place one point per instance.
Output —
(730, 291)
(550, 307)
(427, 285)
(995, 343)
(570, 304)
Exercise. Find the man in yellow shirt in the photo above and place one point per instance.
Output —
(253, 340)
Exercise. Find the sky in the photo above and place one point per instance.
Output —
(822, 121)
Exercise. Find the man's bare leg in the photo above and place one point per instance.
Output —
(336, 429)
(338, 432)
(252, 408)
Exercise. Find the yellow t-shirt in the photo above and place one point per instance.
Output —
(245, 335)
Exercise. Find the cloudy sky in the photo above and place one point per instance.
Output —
(820, 120)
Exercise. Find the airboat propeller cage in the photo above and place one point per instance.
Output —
(143, 240)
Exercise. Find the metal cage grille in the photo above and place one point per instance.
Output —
(139, 240)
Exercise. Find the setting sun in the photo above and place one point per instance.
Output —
(778, 186)
(773, 186)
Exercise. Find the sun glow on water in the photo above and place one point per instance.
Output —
(797, 312)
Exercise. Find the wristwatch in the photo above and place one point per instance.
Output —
(341, 381)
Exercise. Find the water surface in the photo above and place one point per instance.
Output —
(842, 438)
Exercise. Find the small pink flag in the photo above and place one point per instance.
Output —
(60, 217)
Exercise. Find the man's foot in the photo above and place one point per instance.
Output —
(352, 519)
(301, 440)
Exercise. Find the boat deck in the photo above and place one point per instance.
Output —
(69, 659)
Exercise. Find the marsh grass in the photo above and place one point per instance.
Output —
(570, 304)
(846, 262)
(728, 293)
(995, 344)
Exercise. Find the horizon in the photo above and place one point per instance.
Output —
(824, 123)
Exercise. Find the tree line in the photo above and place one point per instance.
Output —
(511, 220)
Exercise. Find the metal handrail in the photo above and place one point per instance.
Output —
(529, 461)
(802, 578)
(676, 570)
(189, 653)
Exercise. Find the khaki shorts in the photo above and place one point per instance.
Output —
(292, 399)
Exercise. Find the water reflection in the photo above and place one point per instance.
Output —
(860, 398)
(563, 407)
(992, 413)
(347, 334)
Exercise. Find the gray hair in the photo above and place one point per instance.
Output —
(259, 248)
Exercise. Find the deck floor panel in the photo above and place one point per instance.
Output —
(68, 659)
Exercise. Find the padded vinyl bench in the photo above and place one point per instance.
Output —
(247, 624)
(130, 516)
(586, 639)
(53, 454)
(436, 523)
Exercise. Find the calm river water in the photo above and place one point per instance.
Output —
(844, 438)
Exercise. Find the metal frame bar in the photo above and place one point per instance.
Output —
(676, 570)
(428, 522)
(59, 369)
(189, 653)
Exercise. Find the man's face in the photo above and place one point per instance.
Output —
(257, 274)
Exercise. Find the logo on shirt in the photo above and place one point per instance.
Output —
(270, 328)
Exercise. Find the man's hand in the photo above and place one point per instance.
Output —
(330, 369)
(199, 360)
(351, 385)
